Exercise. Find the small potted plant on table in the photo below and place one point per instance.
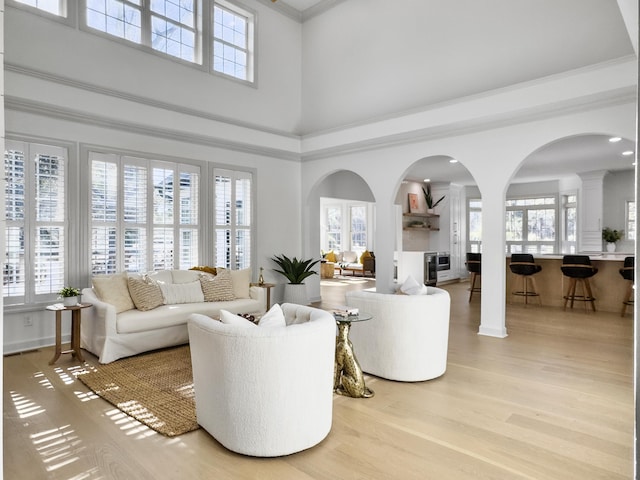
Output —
(69, 296)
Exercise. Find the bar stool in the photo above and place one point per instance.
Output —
(523, 267)
(474, 267)
(627, 272)
(579, 269)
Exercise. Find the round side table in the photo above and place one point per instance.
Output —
(76, 317)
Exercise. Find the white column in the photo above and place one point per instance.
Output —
(590, 208)
(493, 310)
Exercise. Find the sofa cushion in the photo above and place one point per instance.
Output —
(241, 280)
(331, 257)
(218, 288)
(273, 318)
(145, 293)
(161, 276)
(171, 315)
(185, 276)
(113, 289)
(174, 293)
(349, 257)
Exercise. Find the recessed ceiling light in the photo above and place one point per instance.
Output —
(615, 139)
(453, 160)
(627, 153)
(426, 180)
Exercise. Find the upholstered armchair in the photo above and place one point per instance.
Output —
(265, 391)
(408, 336)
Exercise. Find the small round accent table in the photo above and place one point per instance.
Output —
(76, 316)
(348, 378)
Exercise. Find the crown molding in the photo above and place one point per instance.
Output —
(77, 116)
(620, 96)
(301, 16)
(110, 92)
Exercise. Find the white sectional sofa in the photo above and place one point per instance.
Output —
(114, 328)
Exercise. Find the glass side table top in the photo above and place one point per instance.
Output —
(360, 317)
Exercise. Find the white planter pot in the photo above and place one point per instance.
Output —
(296, 293)
(611, 247)
(69, 301)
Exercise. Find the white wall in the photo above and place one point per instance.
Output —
(67, 85)
(57, 52)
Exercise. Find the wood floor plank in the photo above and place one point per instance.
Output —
(553, 400)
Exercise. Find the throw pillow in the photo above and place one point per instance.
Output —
(241, 280)
(145, 293)
(211, 270)
(273, 318)
(174, 293)
(364, 255)
(412, 287)
(114, 289)
(233, 319)
(331, 257)
(218, 288)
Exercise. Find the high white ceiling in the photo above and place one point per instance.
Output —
(515, 49)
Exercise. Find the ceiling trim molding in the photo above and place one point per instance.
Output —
(110, 92)
(630, 59)
(617, 97)
(77, 116)
(301, 16)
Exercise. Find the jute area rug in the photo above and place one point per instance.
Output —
(154, 388)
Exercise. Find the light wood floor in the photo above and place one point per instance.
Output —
(554, 400)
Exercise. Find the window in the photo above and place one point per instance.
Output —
(167, 26)
(55, 7)
(233, 41)
(232, 210)
(531, 225)
(475, 226)
(346, 225)
(569, 223)
(358, 216)
(630, 215)
(333, 221)
(35, 215)
(144, 214)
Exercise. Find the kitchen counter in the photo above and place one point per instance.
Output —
(607, 285)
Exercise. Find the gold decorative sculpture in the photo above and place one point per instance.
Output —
(348, 376)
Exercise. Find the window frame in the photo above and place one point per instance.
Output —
(31, 222)
(233, 226)
(67, 16)
(252, 26)
(200, 7)
(630, 222)
(150, 225)
(346, 231)
(527, 246)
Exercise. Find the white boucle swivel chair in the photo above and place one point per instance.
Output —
(408, 336)
(265, 391)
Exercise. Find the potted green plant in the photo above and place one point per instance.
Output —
(69, 296)
(295, 271)
(428, 198)
(611, 236)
